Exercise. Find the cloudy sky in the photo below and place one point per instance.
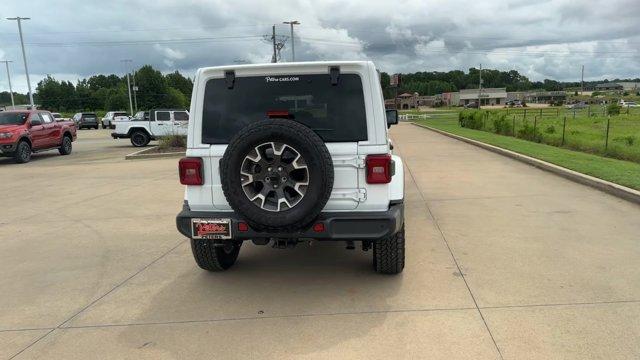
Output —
(71, 39)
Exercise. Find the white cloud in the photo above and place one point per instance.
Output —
(546, 39)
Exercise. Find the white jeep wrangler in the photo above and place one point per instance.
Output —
(284, 153)
(145, 126)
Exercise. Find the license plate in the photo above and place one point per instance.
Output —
(211, 228)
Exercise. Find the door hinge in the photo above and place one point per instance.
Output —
(358, 195)
(355, 161)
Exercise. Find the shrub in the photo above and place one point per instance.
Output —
(502, 125)
(471, 119)
(629, 140)
(550, 129)
(527, 132)
(613, 109)
(172, 141)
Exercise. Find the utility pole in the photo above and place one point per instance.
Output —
(6, 63)
(274, 59)
(293, 49)
(24, 56)
(135, 91)
(480, 87)
(582, 81)
(125, 61)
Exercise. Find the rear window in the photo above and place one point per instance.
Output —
(180, 116)
(13, 118)
(89, 116)
(336, 113)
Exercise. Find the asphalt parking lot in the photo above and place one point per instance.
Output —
(503, 261)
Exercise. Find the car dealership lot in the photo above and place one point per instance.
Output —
(505, 261)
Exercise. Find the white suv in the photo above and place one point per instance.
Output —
(109, 118)
(283, 153)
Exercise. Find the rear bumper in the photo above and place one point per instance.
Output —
(337, 225)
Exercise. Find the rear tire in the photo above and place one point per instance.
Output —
(139, 138)
(23, 152)
(96, 127)
(214, 258)
(388, 254)
(66, 147)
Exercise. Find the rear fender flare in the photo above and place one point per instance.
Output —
(132, 129)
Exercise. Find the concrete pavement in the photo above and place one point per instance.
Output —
(503, 261)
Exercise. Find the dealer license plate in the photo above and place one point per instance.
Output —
(211, 228)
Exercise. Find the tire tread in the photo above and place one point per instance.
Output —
(389, 254)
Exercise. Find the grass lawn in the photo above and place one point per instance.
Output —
(621, 172)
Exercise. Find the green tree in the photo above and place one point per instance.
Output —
(116, 99)
(152, 88)
(175, 99)
(179, 82)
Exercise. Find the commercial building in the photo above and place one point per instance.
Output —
(412, 101)
(629, 85)
(450, 98)
(539, 97)
(488, 96)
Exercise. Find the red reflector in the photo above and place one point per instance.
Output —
(190, 170)
(378, 169)
(242, 226)
(318, 227)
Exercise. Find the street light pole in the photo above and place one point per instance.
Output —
(24, 56)
(6, 63)
(293, 49)
(480, 88)
(128, 85)
(135, 91)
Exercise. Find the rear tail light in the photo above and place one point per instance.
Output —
(190, 170)
(379, 169)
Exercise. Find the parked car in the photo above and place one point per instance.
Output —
(625, 103)
(159, 122)
(308, 158)
(109, 117)
(58, 117)
(23, 132)
(578, 105)
(471, 105)
(514, 103)
(86, 120)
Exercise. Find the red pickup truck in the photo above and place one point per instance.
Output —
(23, 132)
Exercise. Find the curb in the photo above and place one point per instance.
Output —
(140, 154)
(602, 185)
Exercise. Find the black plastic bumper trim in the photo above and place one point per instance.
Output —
(338, 225)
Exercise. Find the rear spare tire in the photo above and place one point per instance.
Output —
(277, 174)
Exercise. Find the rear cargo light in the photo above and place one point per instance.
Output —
(190, 170)
(379, 169)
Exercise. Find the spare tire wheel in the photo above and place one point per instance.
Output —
(277, 174)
